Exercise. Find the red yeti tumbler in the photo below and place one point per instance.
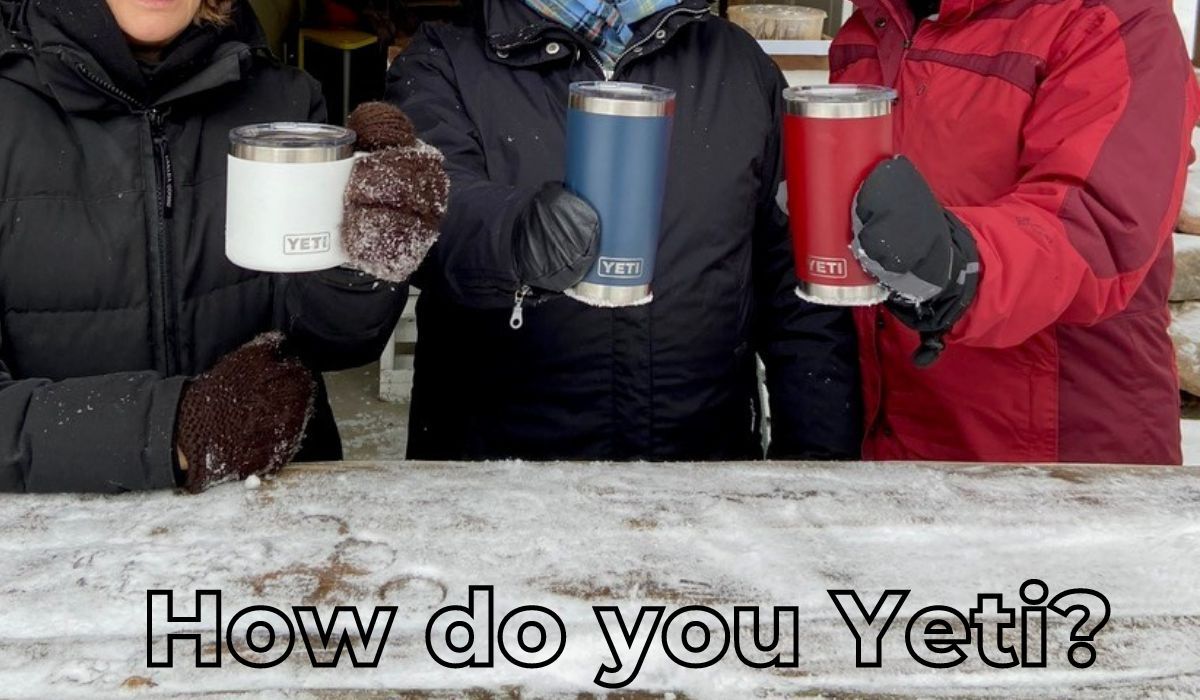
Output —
(834, 135)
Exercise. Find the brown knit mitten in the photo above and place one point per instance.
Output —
(379, 125)
(246, 416)
(396, 197)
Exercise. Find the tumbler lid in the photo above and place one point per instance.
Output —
(622, 99)
(291, 142)
(839, 101)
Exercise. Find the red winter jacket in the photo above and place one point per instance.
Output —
(1059, 132)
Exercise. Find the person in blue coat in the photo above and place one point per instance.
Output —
(674, 379)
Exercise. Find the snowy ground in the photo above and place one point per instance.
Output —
(75, 571)
(1186, 11)
(1191, 442)
(371, 429)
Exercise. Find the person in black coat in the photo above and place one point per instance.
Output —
(115, 287)
(671, 380)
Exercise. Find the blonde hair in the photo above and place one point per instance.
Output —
(214, 12)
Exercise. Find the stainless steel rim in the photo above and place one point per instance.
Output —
(839, 101)
(287, 142)
(622, 99)
(265, 154)
(609, 295)
(859, 295)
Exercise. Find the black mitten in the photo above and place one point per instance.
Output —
(921, 253)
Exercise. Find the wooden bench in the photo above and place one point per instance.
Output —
(74, 573)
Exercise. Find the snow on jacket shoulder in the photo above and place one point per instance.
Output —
(671, 380)
(113, 277)
(1059, 133)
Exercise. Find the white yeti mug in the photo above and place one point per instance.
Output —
(285, 192)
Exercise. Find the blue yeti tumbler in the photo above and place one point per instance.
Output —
(618, 144)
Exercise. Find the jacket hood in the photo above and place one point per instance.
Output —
(74, 50)
(16, 55)
(9, 18)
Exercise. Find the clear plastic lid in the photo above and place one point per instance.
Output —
(839, 101)
(291, 142)
(622, 99)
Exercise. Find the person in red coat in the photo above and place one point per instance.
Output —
(1025, 234)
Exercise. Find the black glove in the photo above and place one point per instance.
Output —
(920, 253)
(556, 239)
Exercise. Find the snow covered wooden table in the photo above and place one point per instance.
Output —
(74, 573)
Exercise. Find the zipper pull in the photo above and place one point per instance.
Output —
(518, 313)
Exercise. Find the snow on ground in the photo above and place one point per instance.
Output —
(1191, 442)
(371, 429)
(75, 570)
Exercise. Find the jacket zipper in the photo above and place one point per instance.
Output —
(166, 208)
(165, 169)
(608, 74)
(107, 86)
(910, 40)
(165, 194)
(658, 27)
(879, 419)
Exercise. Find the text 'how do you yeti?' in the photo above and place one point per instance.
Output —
(695, 636)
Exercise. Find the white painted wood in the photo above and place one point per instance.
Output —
(795, 48)
(396, 362)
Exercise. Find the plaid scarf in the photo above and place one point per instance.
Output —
(605, 23)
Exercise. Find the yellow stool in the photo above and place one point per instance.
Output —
(344, 40)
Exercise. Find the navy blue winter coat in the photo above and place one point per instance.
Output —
(672, 380)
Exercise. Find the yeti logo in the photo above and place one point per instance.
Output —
(832, 268)
(620, 268)
(306, 243)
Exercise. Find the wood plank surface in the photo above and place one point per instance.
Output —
(74, 572)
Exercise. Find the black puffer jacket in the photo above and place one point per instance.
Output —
(668, 381)
(113, 277)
